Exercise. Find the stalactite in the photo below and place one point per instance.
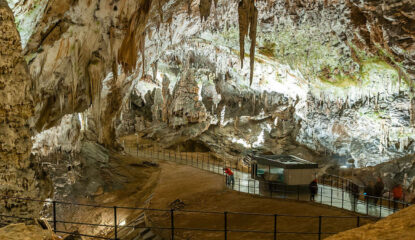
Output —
(142, 50)
(248, 20)
(133, 40)
(189, 7)
(204, 8)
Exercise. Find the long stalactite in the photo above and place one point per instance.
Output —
(248, 20)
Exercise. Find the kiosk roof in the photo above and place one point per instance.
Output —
(284, 161)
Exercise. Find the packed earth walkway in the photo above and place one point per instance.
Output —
(334, 195)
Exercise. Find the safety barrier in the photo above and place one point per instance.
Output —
(275, 226)
(333, 190)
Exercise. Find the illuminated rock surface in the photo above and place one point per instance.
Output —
(327, 80)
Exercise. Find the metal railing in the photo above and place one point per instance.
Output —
(275, 226)
(333, 190)
(173, 226)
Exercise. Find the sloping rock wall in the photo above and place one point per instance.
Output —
(18, 173)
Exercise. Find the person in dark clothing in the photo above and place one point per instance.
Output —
(353, 190)
(313, 189)
(369, 192)
(378, 191)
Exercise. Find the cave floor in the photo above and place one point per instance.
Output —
(205, 191)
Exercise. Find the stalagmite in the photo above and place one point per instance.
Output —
(412, 112)
(154, 67)
(247, 17)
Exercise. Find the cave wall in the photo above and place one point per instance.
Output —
(19, 175)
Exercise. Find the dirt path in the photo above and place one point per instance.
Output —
(202, 190)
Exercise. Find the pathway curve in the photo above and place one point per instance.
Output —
(327, 195)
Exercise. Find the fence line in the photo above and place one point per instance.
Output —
(374, 206)
(205, 162)
(115, 227)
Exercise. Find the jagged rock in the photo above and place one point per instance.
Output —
(186, 107)
(19, 175)
(26, 232)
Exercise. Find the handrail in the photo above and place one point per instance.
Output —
(188, 159)
(215, 168)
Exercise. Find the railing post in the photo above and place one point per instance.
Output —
(275, 226)
(172, 223)
(367, 205)
(226, 225)
(115, 224)
(209, 160)
(389, 200)
(331, 196)
(285, 191)
(342, 196)
(380, 207)
(319, 227)
(358, 221)
(321, 195)
(54, 216)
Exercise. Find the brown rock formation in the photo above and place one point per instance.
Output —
(17, 172)
(185, 105)
(397, 226)
(26, 232)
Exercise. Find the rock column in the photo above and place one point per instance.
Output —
(17, 174)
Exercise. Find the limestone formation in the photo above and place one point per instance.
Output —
(18, 173)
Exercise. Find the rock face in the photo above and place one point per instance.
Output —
(389, 27)
(18, 174)
(185, 106)
(87, 56)
(26, 232)
(397, 226)
(325, 71)
(342, 128)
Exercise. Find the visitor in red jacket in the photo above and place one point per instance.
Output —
(230, 179)
(397, 195)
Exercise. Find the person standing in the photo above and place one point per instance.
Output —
(353, 190)
(230, 179)
(397, 195)
(369, 192)
(379, 186)
(313, 189)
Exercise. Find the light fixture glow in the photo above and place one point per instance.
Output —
(122, 223)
